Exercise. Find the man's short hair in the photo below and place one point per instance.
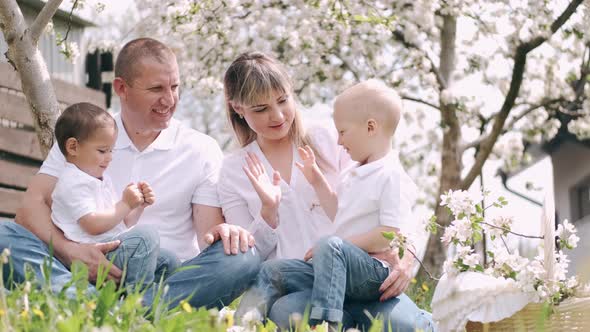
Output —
(136, 50)
(80, 121)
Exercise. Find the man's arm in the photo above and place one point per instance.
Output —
(210, 227)
(373, 240)
(35, 215)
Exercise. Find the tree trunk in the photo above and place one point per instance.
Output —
(26, 58)
(450, 177)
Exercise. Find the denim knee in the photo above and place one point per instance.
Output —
(327, 246)
(144, 239)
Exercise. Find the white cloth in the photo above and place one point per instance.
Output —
(302, 221)
(379, 193)
(181, 165)
(77, 194)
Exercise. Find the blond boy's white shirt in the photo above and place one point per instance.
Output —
(182, 167)
(77, 194)
(302, 221)
(379, 193)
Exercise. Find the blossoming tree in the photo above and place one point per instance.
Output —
(532, 57)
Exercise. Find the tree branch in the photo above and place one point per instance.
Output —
(399, 36)
(43, 18)
(512, 122)
(517, 75)
(418, 100)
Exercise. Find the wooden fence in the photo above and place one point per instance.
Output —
(20, 155)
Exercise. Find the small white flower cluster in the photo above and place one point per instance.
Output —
(531, 275)
(510, 149)
(580, 127)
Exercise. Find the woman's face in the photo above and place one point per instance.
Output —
(270, 119)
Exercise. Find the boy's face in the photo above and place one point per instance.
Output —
(353, 133)
(94, 154)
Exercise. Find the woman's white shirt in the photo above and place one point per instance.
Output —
(302, 220)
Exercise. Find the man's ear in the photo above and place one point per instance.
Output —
(72, 146)
(120, 87)
(372, 127)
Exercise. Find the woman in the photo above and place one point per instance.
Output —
(282, 210)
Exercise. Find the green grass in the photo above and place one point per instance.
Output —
(32, 306)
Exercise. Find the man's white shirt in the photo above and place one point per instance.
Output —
(182, 167)
(77, 194)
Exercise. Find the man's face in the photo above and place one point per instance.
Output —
(150, 99)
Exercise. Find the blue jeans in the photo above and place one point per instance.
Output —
(218, 279)
(211, 279)
(140, 257)
(340, 270)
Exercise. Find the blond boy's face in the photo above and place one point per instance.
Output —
(353, 133)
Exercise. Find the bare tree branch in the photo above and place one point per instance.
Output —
(418, 100)
(520, 58)
(43, 18)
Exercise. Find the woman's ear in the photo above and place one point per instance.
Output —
(72, 146)
(371, 127)
(237, 108)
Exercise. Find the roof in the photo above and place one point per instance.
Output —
(61, 14)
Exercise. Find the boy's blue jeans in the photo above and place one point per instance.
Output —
(216, 280)
(339, 270)
(140, 257)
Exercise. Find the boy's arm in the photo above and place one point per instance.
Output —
(133, 217)
(373, 240)
(149, 198)
(315, 177)
(95, 223)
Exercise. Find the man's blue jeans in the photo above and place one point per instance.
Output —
(218, 279)
(284, 287)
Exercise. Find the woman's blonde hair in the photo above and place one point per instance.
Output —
(255, 77)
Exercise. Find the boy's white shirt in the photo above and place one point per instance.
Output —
(379, 193)
(182, 167)
(77, 194)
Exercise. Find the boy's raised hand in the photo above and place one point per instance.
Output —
(132, 196)
(149, 197)
(308, 167)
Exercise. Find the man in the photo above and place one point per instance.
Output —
(181, 165)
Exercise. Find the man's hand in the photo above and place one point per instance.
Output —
(93, 255)
(232, 237)
(400, 276)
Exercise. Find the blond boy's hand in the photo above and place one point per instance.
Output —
(132, 196)
(149, 198)
(309, 167)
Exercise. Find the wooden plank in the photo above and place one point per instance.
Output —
(66, 92)
(10, 200)
(20, 142)
(15, 108)
(16, 175)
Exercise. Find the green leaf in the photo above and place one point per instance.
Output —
(388, 235)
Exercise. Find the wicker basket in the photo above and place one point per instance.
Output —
(570, 315)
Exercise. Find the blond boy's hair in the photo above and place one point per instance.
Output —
(373, 99)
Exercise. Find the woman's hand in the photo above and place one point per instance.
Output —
(268, 191)
(309, 167)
